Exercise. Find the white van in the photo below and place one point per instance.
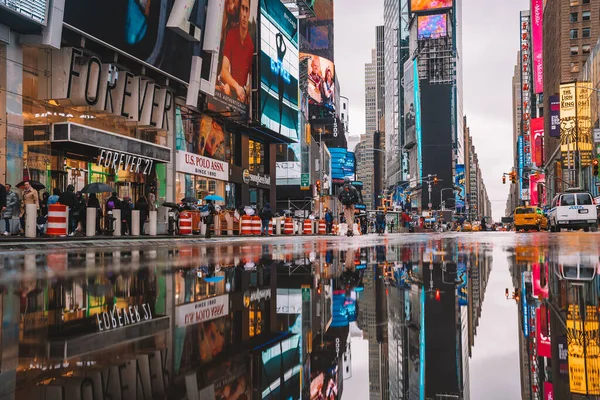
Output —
(574, 209)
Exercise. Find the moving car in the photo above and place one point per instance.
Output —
(466, 227)
(530, 217)
(574, 209)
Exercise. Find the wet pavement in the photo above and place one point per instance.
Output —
(414, 316)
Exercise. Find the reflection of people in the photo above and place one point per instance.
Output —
(237, 57)
(328, 89)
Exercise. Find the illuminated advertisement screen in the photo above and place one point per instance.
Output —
(281, 360)
(428, 5)
(342, 163)
(344, 309)
(288, 165)
(135, 30)
(34, 10)
(321, 81)
(432, 26)
(323, 384)
(279, 69)
(236, 54)
(459, 184)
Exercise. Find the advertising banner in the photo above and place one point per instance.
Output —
(288, 165)
(537, 9)
(584, 122)
(543, 341)
(521, 155)
(409, 103)
(525, 61)
(537, 141)
(432, 26)
(138, 29)
(554, 101)
(321, 81)
(462, 288)
(548, 391)
(233, 90)
(342, 163)
(204, 137)
(525, 307)
(279, 69)
(417, 100)
(428, 5)
(540, 289)
(534, 199)
(460, 188)
(194, 164)
(583, 350)
(568, 125)
(202, 311)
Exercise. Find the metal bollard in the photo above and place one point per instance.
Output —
(117, 222)
(135, 222)
(110, 223)
(171, 226)
(90, 221)
(30, 220)
(278, 226)
(153, 223)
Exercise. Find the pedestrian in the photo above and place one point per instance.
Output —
(93, 202)
(328, 221)
(55, 196)
(210, 218)
(265, 215)
(349, 196)
(126, 208)
(113, 202)
(12, 205)
(483, 224)
(79, 215)
(69, 199)
(44, 204)
(30, 196)
(152, 200)
(143, 207)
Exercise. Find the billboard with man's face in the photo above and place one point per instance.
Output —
(321, 81)
(279, 69)
(233, 89)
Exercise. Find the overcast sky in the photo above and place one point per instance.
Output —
(489, 55)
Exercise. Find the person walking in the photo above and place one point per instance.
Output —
(12, 205)
(265, 215)
(93, 202)
(30, 196)
(210, 218)
(348, 196)
(126, 208)
(143, 207)
(79, 216)
(113, 202)
(328, 221)
(69, 199)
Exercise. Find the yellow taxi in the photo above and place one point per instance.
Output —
(476, 227)
(530, 217)
(466, 227)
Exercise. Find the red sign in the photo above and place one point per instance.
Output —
(543, 341)
(548, 391)
(538, 288)
(534, 199)
(537, 8)
(537, 140)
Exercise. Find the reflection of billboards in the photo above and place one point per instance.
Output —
(321, 81)
(432, 26)
(323, 384)
(280, 370)
(202, 342)
(344, 309)
(140, 32)
(429, 5)
(279, 69)
(236, 55)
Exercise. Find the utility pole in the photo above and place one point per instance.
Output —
(429, 189)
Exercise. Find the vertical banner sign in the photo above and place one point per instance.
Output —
(525, 97)
(533, 189)
(521, 157)
(568, 125)
(537, 141)
(554, 101)
(417, 97)
(459, 184)
(543, 342)
(537, 8)
(583, 112)
(548, 391)
(525, 307)
(583, 349)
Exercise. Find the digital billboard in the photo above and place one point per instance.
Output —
(554, 101)
(321, 81)
(429, 5)
(537, 8)
(233, 90)
(288, 165)
(432, 26)
(343, 163)
(409, 102)
(460, 188)
(344, 309)
(138, 29)
(534, 179)
(279, 71)
(537, 141)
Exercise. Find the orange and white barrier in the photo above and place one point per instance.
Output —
(58, 220)
(185, 224)
(308, 229)
(246, 225)
(288, 226)
(322, 227)
(256, 225)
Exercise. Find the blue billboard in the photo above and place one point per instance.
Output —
(521, 161)
(343, 163)
(462, 287)
(459, 186)
(343, 309)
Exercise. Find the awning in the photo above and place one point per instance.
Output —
(92, 138)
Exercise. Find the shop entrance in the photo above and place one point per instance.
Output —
(258, 197)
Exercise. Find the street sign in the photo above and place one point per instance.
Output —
(305, 182)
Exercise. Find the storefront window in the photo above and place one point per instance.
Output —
(256, 157)
(198, 187)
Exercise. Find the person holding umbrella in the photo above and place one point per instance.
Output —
(30, 196)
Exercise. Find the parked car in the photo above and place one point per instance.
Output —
(574, 209)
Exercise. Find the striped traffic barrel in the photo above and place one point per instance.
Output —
(246, 225)
(322, 227)
(307, 227)
(256, 225)
(58, 220)
(288, 226)
(185, 223)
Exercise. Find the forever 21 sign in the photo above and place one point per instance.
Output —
(127, 162)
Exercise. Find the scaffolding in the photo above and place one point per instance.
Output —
(437, 60)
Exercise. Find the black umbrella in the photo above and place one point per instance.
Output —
(189, 200)
(34, 184)
(97, 187)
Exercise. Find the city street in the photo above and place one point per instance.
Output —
(230, 317)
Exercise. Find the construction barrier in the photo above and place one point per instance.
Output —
(256, 225)
(288, 226)
(307, 227)
(58, 220)
(246, 225)
(322, 227)
(185, 223)
(271, 223)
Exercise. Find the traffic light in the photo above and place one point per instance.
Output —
(437, 295)
(435, 180)
(318, 186)
(595, 165)
(504, 179)
(513, 177)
